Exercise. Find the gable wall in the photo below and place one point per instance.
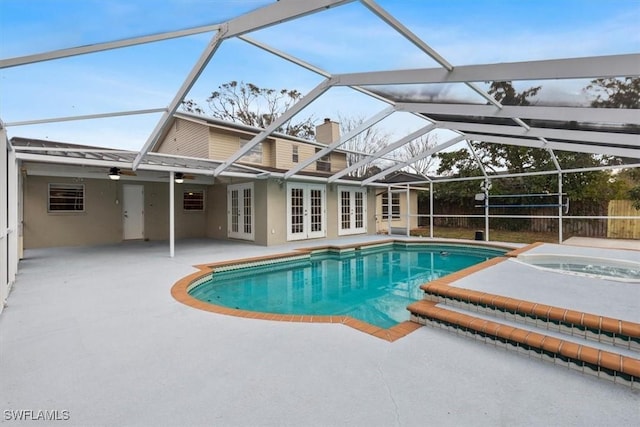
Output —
(186, 138)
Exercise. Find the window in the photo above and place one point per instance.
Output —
(323, 164)
(294, 154)
(193, 200)
(66, 197)
(395, 206)
(252, 156)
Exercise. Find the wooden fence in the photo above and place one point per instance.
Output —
(623, 228)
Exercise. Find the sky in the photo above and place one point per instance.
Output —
(348, 38)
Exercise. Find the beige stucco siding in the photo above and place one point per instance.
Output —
(186, 138)
(261, 212)
(101, 221)
(276, 213)
(217, 211)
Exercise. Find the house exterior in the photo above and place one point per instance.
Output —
(67, 198)
(274, 211)
(402, 214)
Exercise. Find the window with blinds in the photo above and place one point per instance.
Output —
(66, 198)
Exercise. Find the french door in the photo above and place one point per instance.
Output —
(352, 210)
(306, 211)
(240, 211)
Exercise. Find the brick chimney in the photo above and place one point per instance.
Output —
(328, 132)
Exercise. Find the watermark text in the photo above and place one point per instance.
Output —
(36, 415)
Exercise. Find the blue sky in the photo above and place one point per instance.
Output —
(345, 39)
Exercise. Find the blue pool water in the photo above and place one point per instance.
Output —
(373, 285)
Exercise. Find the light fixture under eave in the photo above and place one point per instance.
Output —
(179, 178)
(114, 174)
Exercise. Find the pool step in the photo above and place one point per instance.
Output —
(615, 332)
(569, 352)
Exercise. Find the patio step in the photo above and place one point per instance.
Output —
(573, 352)
(592, 327)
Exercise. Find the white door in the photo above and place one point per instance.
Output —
(240, 212)
(306, 211)
(132, 212)
(352, 210)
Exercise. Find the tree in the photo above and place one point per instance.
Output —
(363, 145)
(614, 93)
(593, 187)
(252, 105)
(619, 93)
(416, 147)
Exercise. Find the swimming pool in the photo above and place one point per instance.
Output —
(374, 284)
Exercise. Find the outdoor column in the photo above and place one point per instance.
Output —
(431, 209)
(408, 211)
(12, 216)
(171, 214)
(560, 208)
(389, 209)
(4, 245)
(486, 210)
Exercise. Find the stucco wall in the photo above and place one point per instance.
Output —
(277, 213)
(101, 222)
(217, 211)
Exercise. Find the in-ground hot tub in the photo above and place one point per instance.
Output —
(603, 268)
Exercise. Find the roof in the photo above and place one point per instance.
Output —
(36, 150)
(73, 154)
(234, 126)
(455, 100)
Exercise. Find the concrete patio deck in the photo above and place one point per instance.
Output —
(95, 332)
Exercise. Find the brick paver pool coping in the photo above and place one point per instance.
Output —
(180, 291)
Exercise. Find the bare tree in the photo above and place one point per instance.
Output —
(416, 147)
(252, 105)
(362, 145)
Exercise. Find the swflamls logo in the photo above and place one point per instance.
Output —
(36, 415)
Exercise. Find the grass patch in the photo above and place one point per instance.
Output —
(494, 235)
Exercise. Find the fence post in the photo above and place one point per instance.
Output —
(487, 185)
(408, 211)
(431, 209)
(560, 207)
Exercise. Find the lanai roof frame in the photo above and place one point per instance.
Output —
(621, 65)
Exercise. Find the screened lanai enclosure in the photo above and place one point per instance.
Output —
(534, 130)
